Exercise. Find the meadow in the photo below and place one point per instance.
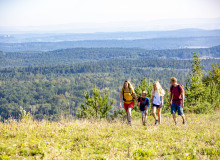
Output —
(111, 139)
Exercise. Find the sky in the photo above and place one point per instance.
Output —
(54, 12)
(85, 16)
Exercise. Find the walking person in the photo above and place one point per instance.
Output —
(157, 101)
(128, 95)
(144, 104)
(177, 98)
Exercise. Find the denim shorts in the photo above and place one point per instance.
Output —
(143, 112)
(177, 107)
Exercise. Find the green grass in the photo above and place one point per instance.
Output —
(100, 139)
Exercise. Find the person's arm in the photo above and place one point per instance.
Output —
(145, 108)
(120, 99)
(170, 99)
(147, 105)
(162, 97)
(138, 104)
(183, 99)
(182, 94)
(152, 99)
(135, 97)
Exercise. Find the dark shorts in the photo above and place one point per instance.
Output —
(158, 106)
(176, 107)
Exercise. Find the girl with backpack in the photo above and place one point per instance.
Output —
(128, 95)
(157, 101)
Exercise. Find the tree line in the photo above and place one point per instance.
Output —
(53, 92)
(202, 94)
(85, 55)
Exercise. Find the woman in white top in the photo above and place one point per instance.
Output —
(157, 101)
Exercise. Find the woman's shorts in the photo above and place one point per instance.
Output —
(158, 106)
(130, 105)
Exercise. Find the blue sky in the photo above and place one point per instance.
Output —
(53, 12)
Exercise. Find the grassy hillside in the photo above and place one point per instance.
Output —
(95, 139)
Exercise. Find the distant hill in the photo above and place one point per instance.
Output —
(58, 37)
(150, 44)
(80, 55)
(119, 26)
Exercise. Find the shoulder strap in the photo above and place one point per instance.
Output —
(131, 93)
(123, 92)
(171, 88)
(130, 90)
(179, 88)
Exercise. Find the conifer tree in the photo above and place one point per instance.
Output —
(212, 82)
(145, 85)
(195, 86)
(96, 106)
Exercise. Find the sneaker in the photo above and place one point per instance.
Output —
(156, 122)
(144, 123)
(129, 123)
(184, 122)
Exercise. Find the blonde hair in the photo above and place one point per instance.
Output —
(144, 92)
(157, 86)
(129, 85)
(173, 79)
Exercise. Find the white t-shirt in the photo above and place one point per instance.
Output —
(156, 98)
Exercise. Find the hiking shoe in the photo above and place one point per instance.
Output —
(144, 123)
(129, 123)
(184, 122)
(156, 122)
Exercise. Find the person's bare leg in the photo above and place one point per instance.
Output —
(145, 118)
(183, 117)
(154, 113)
(174, 118)
(129, 114)
(159, 115)
(142, 119)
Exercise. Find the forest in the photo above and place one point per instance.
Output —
(54, 91)
(84, 55)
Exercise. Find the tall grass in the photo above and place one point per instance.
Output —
(103, 139)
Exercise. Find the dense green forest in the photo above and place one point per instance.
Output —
(80, 55)
(51, 84)
(53, 92)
